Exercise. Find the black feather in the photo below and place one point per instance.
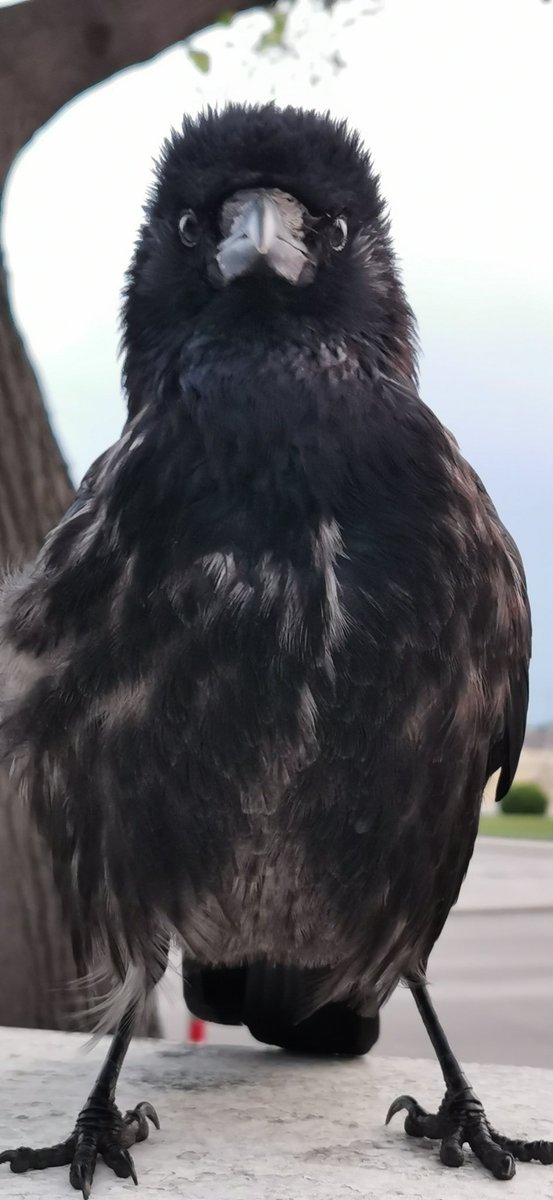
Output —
(257, 678)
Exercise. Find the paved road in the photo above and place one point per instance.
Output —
(509, 874)
(491, 973)
(492, 984)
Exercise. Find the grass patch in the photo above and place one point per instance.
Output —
(517, 826)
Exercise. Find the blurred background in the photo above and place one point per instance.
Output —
(454, 101)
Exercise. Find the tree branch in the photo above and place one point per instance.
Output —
(51, 50)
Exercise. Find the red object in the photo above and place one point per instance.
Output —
(197, 1031)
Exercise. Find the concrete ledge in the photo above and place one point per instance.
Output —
(252, 1124)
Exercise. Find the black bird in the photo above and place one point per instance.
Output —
(260, 673)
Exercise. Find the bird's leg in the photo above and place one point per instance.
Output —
(461, 1117)
(100, 1129)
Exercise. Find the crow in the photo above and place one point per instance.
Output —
(258, 676)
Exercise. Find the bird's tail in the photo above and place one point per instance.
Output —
(276, 1003)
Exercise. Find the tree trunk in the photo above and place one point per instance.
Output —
(34, 483)
(35, 955)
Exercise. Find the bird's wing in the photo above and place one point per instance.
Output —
(432, 678)
(508, 677)
(505, 750)
(75, 636)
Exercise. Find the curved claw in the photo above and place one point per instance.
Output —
(149, 1111)
(402, 1102)
(19, 1160)
(84, 1187)
(461, 1118)
(506, 1167)
(121, 1162)
(497, 1160)
(132, 1169)
(137, 1119)
(100, 1129)
(82, 1174)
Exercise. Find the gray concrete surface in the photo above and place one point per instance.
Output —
(250, 1124)
(491, 972)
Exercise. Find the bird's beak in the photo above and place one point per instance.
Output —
(265, 232)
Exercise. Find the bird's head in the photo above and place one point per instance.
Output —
(265, 219)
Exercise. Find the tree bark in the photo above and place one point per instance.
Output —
(34, 482)
(50, 51)
(35, 955)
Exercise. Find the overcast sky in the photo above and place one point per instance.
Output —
(455, 100)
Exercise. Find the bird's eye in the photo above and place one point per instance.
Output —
(189, 227)
(338, 233)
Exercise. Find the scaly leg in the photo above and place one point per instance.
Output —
(100, 1129)
(461, 1117)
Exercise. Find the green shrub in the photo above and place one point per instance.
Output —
(525, 798)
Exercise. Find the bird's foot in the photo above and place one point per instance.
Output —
(101, 1129)
(461, 1118)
